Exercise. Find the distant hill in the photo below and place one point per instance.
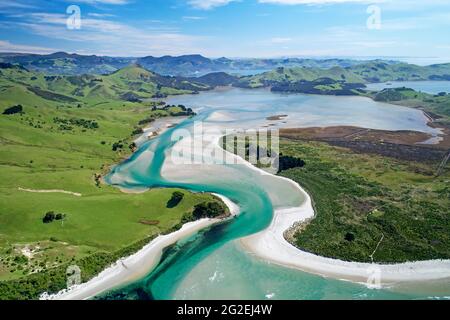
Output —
(139, 78)
(342, 81)
(382, 72)
(67, 64)
(61, 63)
(217, 79)
(131, 83)
(298, 74)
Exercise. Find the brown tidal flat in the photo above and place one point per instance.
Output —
(403, 144)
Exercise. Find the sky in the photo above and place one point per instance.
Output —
(410, 29)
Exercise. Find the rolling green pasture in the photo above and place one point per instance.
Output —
(54, 145)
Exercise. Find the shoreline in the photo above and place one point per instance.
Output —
(268, 244)
(138, 265)
(271, 245)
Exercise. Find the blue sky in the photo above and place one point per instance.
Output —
(232, 28)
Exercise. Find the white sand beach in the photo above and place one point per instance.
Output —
(292, 205)
(270, 244)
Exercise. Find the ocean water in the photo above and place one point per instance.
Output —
(212, 264)
(432, 87)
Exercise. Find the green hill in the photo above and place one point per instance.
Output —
(382, 72)
(62, 133)
(334, 81)
(299, 74)
(436, 105)
(131, 81)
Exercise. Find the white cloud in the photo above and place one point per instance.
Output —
(209, 4)
(113, 2)
(280, 40)
(6, 46)
(100, 15)
(417, 22)
(296, 2)
(10, 4)
(111, 37)
(193, 18)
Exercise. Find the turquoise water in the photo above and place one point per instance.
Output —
(253, 106)
(432, 87)
(211, 264)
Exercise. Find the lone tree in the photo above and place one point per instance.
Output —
(349, 236)
(13, 110)
(52, 216)
(49, 217)
(176, 198)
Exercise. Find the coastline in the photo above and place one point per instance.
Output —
(271, 245)
(268, 244)
(137, 265)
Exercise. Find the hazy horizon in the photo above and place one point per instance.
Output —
(412, 60)
(389, 29)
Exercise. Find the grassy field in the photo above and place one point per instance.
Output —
(365, 200)
(54, 144)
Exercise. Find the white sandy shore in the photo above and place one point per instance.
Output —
(138, 265)
(270, 244)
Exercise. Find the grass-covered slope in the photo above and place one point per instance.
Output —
(342, 80)
(382, 72)
(132, 83)
(61, 63)
(438, 105)
(292, 75)
(51, 139)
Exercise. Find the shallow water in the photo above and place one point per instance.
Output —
(211, 264)
(254, 106)
(432, 87)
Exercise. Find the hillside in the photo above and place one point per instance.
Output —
(131, 83)
(59, 136)
(341, 81)
(437, 106)
(382, 72)
(67, 64)
(336, 81)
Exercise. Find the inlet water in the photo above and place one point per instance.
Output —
(211, 264)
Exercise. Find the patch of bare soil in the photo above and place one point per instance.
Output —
(404, 144)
